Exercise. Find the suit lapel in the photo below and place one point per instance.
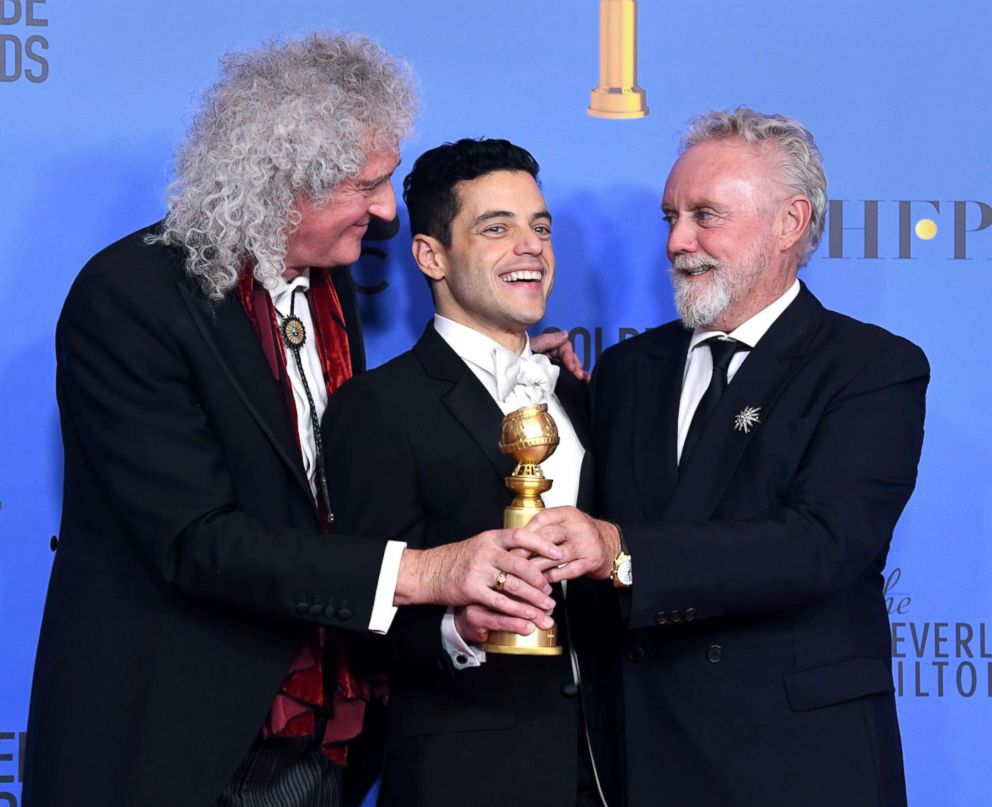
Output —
(657, 386)
(231, 339)
(573, 395)
(468, 401)
(345, 288)
(761, 379)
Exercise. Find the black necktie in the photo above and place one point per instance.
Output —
(722, 350)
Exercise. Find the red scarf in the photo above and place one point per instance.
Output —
(305, 688)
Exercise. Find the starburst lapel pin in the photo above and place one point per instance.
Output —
(747, 419)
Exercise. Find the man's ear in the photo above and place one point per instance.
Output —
(430, 255)
(796, 212)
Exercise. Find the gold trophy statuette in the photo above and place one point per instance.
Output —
(618, 95)
(530, 436)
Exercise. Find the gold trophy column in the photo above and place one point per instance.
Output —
(530, 436)
(618, 95)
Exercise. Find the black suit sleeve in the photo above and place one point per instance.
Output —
(130, 396)
(374, 479)
(371, 473)
(855, 468)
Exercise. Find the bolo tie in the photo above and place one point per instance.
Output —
(294, 335)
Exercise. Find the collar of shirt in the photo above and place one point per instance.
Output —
(478, 352)
(282, 292)
(476, 349)
(699, 363)
(751, 331)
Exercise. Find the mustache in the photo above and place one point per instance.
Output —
(689, 263)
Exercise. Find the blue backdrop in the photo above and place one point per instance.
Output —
(95, 96)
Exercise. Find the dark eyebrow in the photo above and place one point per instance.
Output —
(493, 214)
(506, 214)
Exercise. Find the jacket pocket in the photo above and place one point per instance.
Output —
(839, 681)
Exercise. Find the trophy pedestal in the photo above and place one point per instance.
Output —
(618, 95)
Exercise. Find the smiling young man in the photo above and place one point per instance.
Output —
(497, 268)
(756, 456)
(420, 437)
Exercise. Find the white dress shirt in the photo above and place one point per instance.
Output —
(485, 358)
(699, 363)
(383, 609)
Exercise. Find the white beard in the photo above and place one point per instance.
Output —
(700, 304)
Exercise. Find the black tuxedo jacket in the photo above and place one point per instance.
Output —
(189, 554)
(757, 663)
(413, 455)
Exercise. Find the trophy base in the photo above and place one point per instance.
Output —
(539, 643)
(618, 102)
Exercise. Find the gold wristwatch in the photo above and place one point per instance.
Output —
(622, 574)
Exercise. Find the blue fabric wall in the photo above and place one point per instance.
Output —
(95, 96)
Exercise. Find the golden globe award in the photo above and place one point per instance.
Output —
(530, 436)
(618, 95)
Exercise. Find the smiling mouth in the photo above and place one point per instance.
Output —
(693, 267)
(522, 275)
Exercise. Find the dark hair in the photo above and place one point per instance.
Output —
(429, 189)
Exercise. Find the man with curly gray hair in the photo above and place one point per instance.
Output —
(752, 458)
(208, 637)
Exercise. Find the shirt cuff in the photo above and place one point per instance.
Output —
(462, 654)
(383, 609)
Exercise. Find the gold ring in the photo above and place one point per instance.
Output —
(500, 581)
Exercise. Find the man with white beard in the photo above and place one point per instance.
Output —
(751, 463)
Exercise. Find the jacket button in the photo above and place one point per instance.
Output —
(661, 618)
(302, 607)
(330, 611)
(635, 652)
(316, 609)
(676, 615)
(344, 612)
(714, 654)
(690, 614)
(54, 543)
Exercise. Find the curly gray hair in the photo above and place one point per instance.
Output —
(802, 164)
(293, 119)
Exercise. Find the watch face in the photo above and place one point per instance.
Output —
(625, 575)
(622, 575)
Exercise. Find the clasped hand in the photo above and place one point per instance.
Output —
(559, 544)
